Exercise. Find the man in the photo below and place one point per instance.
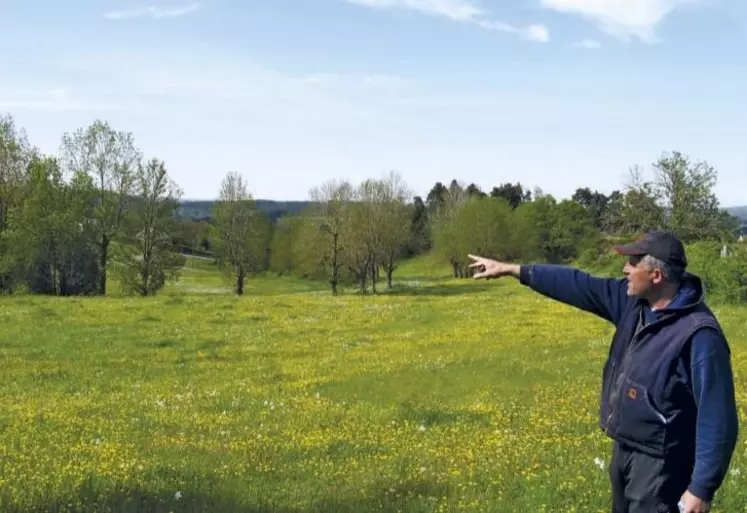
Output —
(667, 395)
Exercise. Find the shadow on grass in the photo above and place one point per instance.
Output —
(441, 289)
(411, 496)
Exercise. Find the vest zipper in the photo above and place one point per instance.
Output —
(617, 380)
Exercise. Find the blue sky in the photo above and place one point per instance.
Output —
(552, 93)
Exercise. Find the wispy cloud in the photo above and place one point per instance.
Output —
(58, 99)
(589, 44)
(152, 11)
(171, 85)
(621, 18)
(379, 81)
(461, 11)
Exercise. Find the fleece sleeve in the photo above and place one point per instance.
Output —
(605, 297)
(717, 422)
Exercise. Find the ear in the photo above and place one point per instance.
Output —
(657, 277)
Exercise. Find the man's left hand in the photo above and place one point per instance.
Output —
(693, 504)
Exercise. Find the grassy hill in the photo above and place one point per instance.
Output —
(464, 396)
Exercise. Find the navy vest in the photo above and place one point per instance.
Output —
(645, 403)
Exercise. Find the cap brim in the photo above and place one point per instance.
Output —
(630, 250)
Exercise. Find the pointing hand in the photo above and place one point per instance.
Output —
(488, 268)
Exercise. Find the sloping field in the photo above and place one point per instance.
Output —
(444, 396)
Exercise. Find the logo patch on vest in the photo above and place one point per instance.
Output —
(632, 393)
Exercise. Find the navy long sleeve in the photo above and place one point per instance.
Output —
(605, 297)
(717, 424)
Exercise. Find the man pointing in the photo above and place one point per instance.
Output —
(667, 397)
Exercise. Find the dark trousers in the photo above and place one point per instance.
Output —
(644, 484)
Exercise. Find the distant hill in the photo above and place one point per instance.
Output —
(202, 210)
(740, 212)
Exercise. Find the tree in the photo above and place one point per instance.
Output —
(149, 257)
(285, 243)
(110, 158)
(612, 221)
(436, 197)
(446, 230)
(641, 210)
(395, 229)
(14, 159)
(329, 214)
(515, 195)
(685, 190)
(484, 227)
(420, 233)
(475, 191)
(366, 231)
(356, 253)
(241, 231)
(51, 241)
(559, 230)
(595, 204)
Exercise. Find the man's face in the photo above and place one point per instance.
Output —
(640, 278)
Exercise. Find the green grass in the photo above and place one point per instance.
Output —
(442, 395)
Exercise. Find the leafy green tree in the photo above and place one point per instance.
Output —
(484, 227)
(560, 230)
(50, 236)
(356, 252)
(420, 232)
(446, 230)
(14, 159)
(474, 191)
(435, 198)
(110, 158)
(685, 190)
(148, 257)
(595, 204)
(241, 231)
(641, 208)
(312, 248)
(515, 195)
(285, 241)
(612, 220)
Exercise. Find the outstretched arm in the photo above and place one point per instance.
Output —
(605, 297)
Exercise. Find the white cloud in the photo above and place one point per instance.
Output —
(538, 33)
(458, 10)
(621, 18)
(152, 11)
(589, 44)
(462, 11)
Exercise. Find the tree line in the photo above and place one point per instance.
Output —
(101, 208)
(349, 234)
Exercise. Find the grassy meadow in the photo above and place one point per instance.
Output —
(444, 395)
